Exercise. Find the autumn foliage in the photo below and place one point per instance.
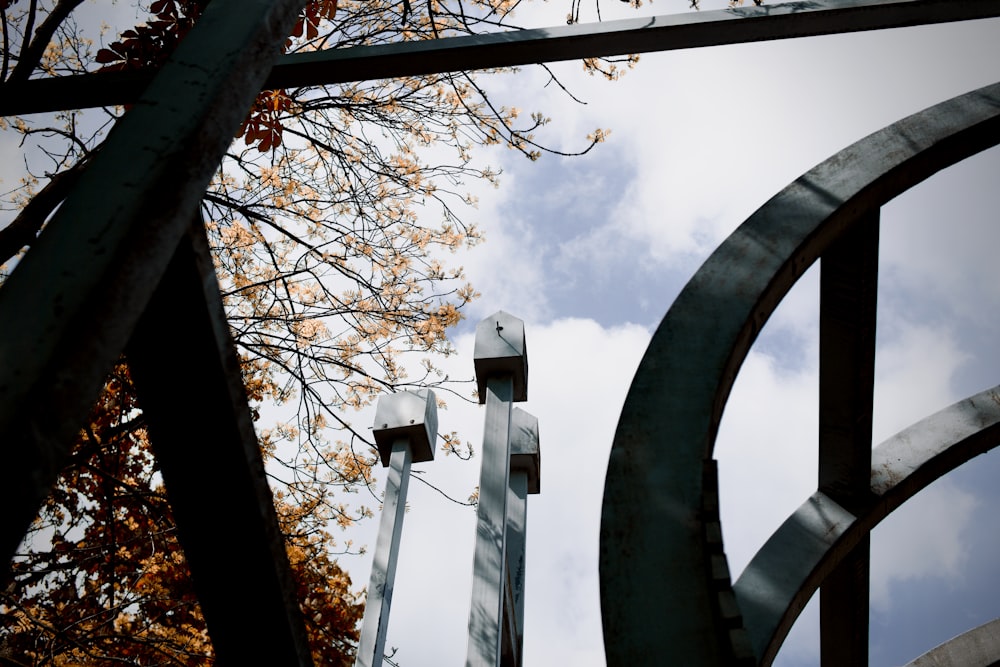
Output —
(105, 581)
(148, 45)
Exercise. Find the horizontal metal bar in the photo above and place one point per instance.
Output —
(524, 47)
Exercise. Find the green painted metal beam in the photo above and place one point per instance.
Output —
(524, 47)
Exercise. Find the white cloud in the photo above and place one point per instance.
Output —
(579, 373)
(709, 135)
(508, 268)
(939, 241)
(926, 537)
(766, 452)
(913, 377)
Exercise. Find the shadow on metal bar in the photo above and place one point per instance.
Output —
(656, 534)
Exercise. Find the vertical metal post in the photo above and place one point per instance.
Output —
(525, 464)
(405, 431)
(848, 291)
(501, 373)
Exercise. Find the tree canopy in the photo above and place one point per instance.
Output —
(331, 221)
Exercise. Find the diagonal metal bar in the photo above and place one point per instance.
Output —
(690, 30)
(72, 302)
(214, 474)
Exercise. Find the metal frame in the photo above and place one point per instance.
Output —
(660, 495)
(121, 259)
(821, 535)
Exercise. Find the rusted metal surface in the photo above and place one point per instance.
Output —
(821, 535)
(654, 604)
(524, 47)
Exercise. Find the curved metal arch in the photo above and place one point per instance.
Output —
(659, 518)
(788, 569)
(979, 647)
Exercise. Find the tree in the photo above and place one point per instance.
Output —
(111, 584)
(330, 228)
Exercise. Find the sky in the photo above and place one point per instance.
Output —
(590, 252)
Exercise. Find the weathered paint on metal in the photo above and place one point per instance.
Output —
(820, 534)
(979, 647)
(653, 492)
(524, 47)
